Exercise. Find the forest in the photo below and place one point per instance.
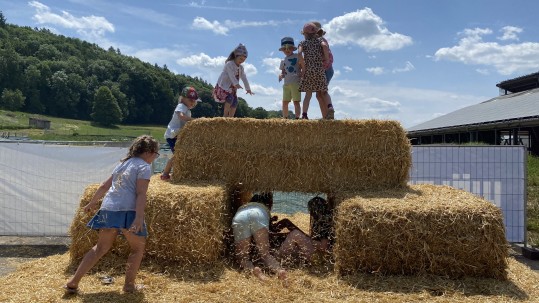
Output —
(45, 73)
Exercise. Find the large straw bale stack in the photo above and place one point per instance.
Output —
(294, 155)
(425, 229)
(185, 223)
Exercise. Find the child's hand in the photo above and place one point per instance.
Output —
(281, 76)
(237, 86)
(250, 92)
(90, 206)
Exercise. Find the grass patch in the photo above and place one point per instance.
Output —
(532, 190)
(16, 123)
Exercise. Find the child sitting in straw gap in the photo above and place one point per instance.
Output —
(225, 90)
(182, 114)
(289, 69)
(298, 243)
(251, 222)
(121, 212)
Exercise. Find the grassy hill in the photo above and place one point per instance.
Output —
(62, 129)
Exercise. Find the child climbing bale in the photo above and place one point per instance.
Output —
(424, 229)
(293, 155)
(185, 223)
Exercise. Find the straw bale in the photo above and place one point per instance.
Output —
(185, 223)
(425, 229)
(294, 155)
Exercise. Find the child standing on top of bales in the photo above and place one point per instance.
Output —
(320, 240)
(289, 70)
(182, 114)
(121, 212)
(229, 81)
(251, 222)
(312, 52)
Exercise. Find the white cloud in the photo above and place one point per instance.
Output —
(272, 65)
(265, 91)
(506, 59)
(347, 68)
(378, 70)
(510, 33)
(408, 67)
(223, 28)
(482, 71)
(157, 55)
(91, 27)
(204, 62)
(366, 29)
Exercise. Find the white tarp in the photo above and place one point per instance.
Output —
(496, 173)
(41, 184)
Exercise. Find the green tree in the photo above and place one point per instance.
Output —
(3, 20)
(106, 110)
(259, 113)
(12, 99)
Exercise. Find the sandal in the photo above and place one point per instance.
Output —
(71, 290)
(165, 177)
(136, 288)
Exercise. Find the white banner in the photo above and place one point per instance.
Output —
(496, 173)
(41, 184)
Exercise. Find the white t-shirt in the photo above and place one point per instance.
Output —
(290, 66)
(123, 192)
(175, 124)
(231, 76)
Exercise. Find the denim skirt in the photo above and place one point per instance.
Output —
(115, 219)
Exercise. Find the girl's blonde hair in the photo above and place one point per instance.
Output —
(141, 145)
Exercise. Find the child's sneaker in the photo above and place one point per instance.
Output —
(304, 116)
(165, 177)
(331, 114)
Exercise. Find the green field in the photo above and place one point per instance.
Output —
(533, 200)
(16, 124)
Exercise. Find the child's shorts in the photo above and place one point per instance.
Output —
(221, 95)
(249, 220)
(329, 74)
(172, 143)
(291, 92)
(115, 219)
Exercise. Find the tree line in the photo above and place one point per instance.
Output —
(45, 73)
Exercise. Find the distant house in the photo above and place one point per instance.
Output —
(509, 119)
(39, 123)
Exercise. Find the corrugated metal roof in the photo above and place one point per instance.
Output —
(515, 106)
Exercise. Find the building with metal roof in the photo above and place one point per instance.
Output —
(509, 119)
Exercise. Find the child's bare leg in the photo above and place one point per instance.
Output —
(168, 167)
(285, 109)
(320, 96)
(261, 237)
(306, 102)
(242, 254)
(232, 112)
(104, 243)
(136, 244)
(296, 241)
(226, 110)
(297, 109)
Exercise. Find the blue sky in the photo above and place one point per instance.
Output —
(409, 61)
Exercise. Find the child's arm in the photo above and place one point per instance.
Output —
(183, 117)
(101, 191)
(325, 53)
(301, 61)
(282, 74)
(245, 82)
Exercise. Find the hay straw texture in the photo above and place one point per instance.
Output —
(425, 229)
(41, 281)
(185, 223)
(294, 155)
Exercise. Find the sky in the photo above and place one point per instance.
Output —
(409, 61)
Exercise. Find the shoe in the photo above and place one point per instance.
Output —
(331, 114)
(165, 177)
(70, 290)
(136, 288)
(304, 116)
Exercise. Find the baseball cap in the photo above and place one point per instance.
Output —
(191, 93)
